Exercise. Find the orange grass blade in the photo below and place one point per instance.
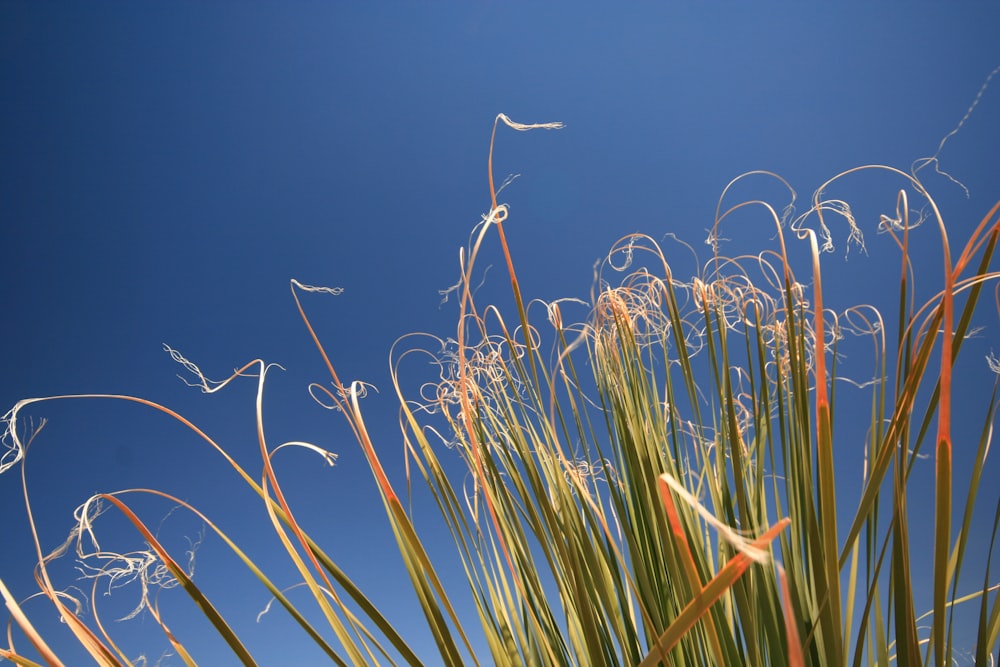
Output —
(500, 214)
(425, 580)
(189, 586)
(177, 645)
(831, 617)
(943, 473)
(18, 660)
(795, 657)
(28, 629)
(700, 604)
(708, 596)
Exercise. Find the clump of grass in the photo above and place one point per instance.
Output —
(652, 483)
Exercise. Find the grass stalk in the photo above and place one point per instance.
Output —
(649, 484)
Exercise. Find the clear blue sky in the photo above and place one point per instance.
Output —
(166, 168)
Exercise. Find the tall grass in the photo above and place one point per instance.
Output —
(652, 484)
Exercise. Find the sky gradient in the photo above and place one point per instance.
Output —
(167, 168)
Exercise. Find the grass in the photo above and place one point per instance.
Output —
(652, 485)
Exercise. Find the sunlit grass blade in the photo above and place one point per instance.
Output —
(28, 629)
(795, 656)
(988, 634)
(179, 649)
(21, 660)
(711, 592)
(206, 607)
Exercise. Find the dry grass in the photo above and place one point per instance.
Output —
(653, 484)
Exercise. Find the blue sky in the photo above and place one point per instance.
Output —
(167, 168)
